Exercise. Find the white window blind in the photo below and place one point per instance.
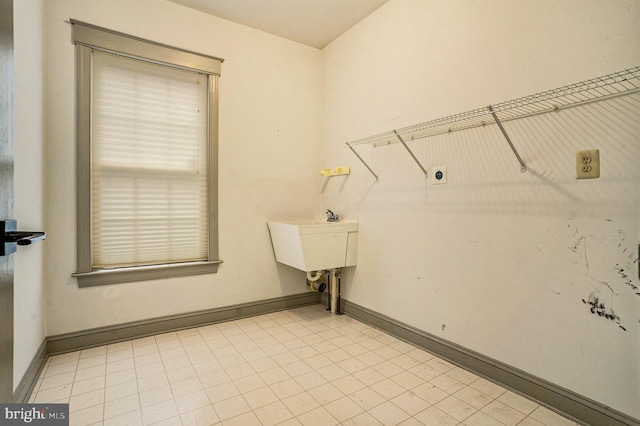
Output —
(149, 182)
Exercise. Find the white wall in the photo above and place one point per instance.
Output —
(270, 105)
(495, 260)
(29, 293)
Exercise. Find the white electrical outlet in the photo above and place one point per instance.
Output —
(439, 175)
(588, 164)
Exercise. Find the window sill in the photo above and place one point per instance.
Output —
(145, 273)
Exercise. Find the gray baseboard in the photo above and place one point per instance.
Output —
(583, 410)
(25, 387)
(137, 329)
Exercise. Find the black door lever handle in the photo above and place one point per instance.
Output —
(10, 237)
(24, 238)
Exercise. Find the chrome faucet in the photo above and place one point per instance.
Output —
(331, 216)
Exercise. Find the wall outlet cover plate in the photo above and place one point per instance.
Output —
(439, 175)
(588, 164)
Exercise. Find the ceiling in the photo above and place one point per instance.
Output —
(312, 22)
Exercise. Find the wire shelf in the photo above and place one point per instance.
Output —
(596, 89)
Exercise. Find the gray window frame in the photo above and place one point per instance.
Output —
(89, 37)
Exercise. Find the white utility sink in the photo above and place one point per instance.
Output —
(314, 245)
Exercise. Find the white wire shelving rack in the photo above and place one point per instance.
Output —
(596, 89)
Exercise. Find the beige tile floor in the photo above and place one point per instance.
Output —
(298, 367)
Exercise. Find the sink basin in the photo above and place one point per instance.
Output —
(314, 245)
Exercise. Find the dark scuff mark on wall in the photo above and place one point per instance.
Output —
(627, 279)
(580, 247)
(597, 307)
(628, 259)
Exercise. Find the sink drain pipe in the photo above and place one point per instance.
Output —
(315, 283)
(314, 275)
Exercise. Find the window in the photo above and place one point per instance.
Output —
(147, 155)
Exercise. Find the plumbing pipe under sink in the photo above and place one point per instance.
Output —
(315, 284)
(314, 275)
(335, 292)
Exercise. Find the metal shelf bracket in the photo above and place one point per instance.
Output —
(362, 161)
(523, 167)
(411, 153)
